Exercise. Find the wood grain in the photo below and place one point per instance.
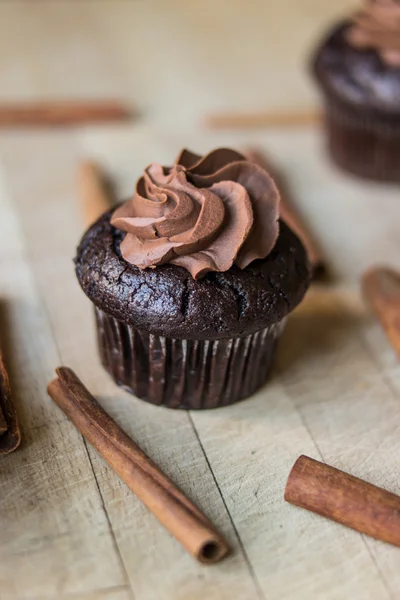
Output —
(162, 434)
(255, 426)
(49, 501)
(67, 523)
(3, 424)
(99, 44)
(252, 475)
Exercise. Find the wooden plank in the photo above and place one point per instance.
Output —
(113, 594)
(265, 436)
(98, 38)
(167, 436)
(347, 405)
(49, 503)
(344, 388)
(252, 446)
(117, 593)
(378, 242)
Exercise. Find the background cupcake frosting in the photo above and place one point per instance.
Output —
(377, 26)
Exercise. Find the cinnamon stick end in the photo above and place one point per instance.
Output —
(381, 289)
(368, 279)
(3, 424)
(380, 281)
(10, 440)
(56, 387)
(295, 471)
(97, 193)
(12, 443)
(10, 436)
(88, 168)
(63, 372)
(52, 386)
(212, 551)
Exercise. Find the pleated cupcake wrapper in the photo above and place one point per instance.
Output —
(187, 374)
(364, 145)
(384, 126)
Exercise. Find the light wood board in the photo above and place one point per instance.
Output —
(69, 529)
(173, 60)
(68, 526)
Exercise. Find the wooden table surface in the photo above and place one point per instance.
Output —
(69, 528)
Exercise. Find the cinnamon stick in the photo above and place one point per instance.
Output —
(329, 492)
(262, 119)
(3, 424)
(10, 434)
(172, 508)
(290, 215)
(95, 191)
(61, 113)
(381, 289)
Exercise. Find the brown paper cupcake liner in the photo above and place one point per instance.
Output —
(362, 144)
(187, 374)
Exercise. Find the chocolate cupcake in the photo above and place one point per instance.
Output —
(358, 68)
(192, 280)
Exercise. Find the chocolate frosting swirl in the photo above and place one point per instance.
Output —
(378, 26)
(203, 214)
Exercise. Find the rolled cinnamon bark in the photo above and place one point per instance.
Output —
(172, 508)
(10, 434)
(94, 190)
(381, 289)
(61, 113)
(329, 492)
(3, 424)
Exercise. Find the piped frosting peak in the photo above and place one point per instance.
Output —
(203, 213)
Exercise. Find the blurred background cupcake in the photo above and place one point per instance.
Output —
(358, 69)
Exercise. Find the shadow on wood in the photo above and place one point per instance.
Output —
(326, 318)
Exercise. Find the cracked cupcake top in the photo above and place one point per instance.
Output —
(168, 301)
